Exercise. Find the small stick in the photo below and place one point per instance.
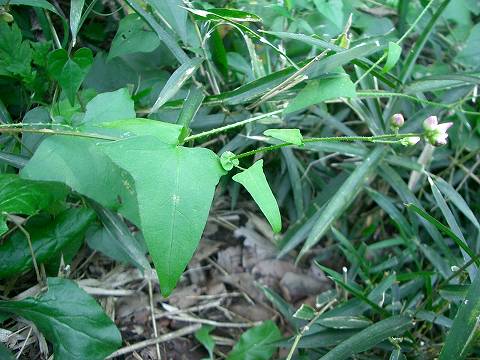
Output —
(163, 338)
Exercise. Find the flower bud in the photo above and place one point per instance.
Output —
(430, 123)
(397, 121)
(410, 141)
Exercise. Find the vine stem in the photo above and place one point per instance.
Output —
(231, 126)
(384, 139)
(15, 130)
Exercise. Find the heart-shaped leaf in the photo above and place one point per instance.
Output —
(175, 187)
(70, 319)
(70, 72)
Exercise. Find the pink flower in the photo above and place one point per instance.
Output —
(436, 133)
(397, 120)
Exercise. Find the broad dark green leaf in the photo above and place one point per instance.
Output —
(344, 197)
(174, 197)
(370, 337)
(79, 164)
(48, 237)
(464, 331)
(256, 343)
(320, 90)
(70, 72)
(15, 53)
(292, 136)
(71, 319)
(20, 196)
(254, 180)
(132, 37)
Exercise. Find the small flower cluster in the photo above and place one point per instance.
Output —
(435, 133)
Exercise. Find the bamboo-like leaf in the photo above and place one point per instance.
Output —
(370, 337)
(345, 195)
(465, 326)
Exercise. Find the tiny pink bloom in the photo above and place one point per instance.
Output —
(430, 123)
(444, 127)
(441, 139)
(397, 120)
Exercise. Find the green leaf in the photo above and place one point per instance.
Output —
(343, 197)
(319, 90)
(109, 106)
(256, 343)
(173, 219)
(19, 196)
(394, 52)
(332, 10)
(229, 160)
(444, 229)
(15, 54)
(191, 106)
(79, 164)
(133, 37)
(5, 354)
(226, 14)
(203, 336)
(253, 179)
(115, 240)
(174, 14)
(43, 4)
(470, 50)
(176, 81)
(344, 322)
(71, 319)
(76, 8)
(457, 200)
(370, 337)
(70, 72)
(166, 132)
(48, 238)
(305, 312)
(293, 136)
(464, 331)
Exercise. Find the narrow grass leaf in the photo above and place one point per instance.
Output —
(76, 8)
(292, 136)
(394, 52)
(343, 197)
(370, 337)
(464, 331)
(176, 81)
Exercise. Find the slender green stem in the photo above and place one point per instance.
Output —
(57, 132)
(231, 126)
(384, 139)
